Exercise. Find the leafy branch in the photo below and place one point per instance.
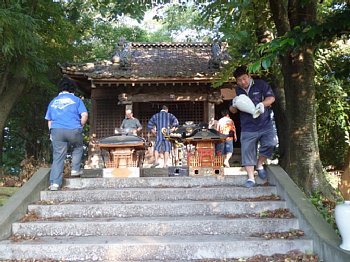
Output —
(301, 37)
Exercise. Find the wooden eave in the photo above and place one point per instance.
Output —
(152, 80)
(86, 83)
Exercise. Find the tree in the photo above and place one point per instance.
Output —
(34, 36)
(48, 33)
(184, 22)
(298, 69)
(291, 44)
(333, 112)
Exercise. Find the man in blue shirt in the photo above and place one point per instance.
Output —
(66, 116)
(258, 130)
(158, 121)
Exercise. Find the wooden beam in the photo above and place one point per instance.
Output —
(169, 97)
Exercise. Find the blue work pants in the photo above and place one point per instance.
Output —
(62, 139)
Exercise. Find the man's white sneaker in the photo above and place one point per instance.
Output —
(54, 187)
(74, 173)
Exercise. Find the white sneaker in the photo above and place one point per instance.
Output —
(74, 173)
(54, 187)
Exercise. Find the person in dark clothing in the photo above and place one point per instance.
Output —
(258, 130)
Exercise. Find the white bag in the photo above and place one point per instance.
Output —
(245, 104)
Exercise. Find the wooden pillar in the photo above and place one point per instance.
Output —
(211, 112)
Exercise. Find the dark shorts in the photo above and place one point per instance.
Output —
(250, 141)
(224, 148)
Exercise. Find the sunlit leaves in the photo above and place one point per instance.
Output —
(334, 26)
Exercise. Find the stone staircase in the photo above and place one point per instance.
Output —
(152, 219)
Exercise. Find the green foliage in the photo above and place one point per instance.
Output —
(35, 35)
(242, 25)
(184, 19)
(13, 151)
(325, 207)
(307, 35)
(333, 90)
(105, 36)
(19, 40)
(23, 139)
(46, 32)
(161, 35)
(15, 32)
(54, 32)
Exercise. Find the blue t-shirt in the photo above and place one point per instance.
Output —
(65, 111)
(257, 93)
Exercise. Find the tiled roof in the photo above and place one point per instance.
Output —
(155, 61)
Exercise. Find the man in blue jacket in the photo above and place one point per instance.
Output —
(258, 130)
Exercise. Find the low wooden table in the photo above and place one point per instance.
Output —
(122, 155)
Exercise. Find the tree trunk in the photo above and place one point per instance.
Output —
(281, 121)
(263, 34)
(301, 159)
(303, 163)
(12, 86)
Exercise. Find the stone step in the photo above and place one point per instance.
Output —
(235, 169)
(155, 226)
(161, 248)
(157, 194)
(155, 208)
(136, 182)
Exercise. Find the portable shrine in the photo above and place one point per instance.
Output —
(125, 154)
(199, 143)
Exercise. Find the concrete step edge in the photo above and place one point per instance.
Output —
(155, 226)
(154, 194)
(156, 181)
(149, 248)
(147, 209)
